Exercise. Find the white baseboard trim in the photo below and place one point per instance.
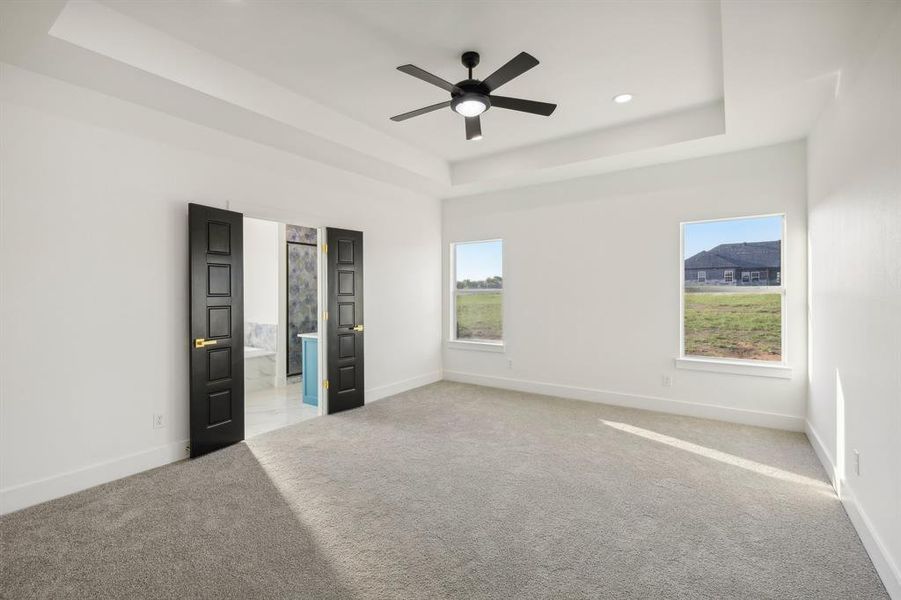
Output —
(886, 567)
(667, 405)
(822, 453)
(21, 496)
(56, 486)
(384, 391)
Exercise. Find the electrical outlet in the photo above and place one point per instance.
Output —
(158, 422)
(667, 381)
(857, 463)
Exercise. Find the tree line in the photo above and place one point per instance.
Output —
(489, 283)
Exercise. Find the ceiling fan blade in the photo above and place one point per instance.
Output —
(518, 65)
(427, 77)
(473, 128)
(421, 111)
(529, 106)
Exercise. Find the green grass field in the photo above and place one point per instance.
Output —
(747, 326)
(479, 316)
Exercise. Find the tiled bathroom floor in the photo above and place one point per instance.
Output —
(271, 408)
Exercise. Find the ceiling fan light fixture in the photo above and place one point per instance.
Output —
(470, 105)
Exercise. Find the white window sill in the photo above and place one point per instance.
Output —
(735, 367)
(478, 346)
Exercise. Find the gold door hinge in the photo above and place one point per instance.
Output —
(325, 384)
(325, 248)
(325, 315)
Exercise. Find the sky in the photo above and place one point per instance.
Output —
(704, 236)
(479, 260)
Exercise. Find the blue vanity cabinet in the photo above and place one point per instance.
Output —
(310, 349)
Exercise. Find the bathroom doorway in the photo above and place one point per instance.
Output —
(281, 325)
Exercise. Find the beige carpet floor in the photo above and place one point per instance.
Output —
(458, 491)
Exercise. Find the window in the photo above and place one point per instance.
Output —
(478, 290)
(702, 276)
(729, 319)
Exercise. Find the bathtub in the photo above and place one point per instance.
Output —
(253, 352)
(259, 368)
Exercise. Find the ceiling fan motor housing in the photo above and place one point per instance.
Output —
(470, 90)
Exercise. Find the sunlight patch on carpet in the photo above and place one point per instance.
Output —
(723, 457)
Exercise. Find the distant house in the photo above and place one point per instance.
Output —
(747, 263)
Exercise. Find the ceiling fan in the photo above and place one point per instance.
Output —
(471, 97)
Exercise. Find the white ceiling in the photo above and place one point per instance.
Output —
(318, 79)
(345, 54)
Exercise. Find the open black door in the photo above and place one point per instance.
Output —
(344, 255)
(216, 250)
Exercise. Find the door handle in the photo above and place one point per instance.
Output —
(358, 328)
(200, 343)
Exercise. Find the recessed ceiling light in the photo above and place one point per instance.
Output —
(622, 98)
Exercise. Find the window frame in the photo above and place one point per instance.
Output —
(763, 368)
(452, 340)
(704, 274)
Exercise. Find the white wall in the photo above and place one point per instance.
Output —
(855, 292)
(94, 275)
(592, 284)
(261, 274)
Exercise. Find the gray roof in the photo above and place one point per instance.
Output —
(746, 255)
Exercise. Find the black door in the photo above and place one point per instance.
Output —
(345, 319)
(216, 250)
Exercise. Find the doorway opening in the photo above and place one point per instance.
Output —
(281, 324)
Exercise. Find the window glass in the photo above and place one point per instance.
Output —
(478, 291)
(733, 294)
